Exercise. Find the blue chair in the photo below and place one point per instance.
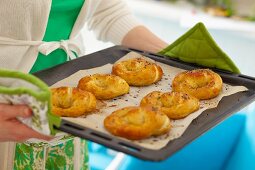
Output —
(99, 156)
(243, 157)
(228, 146)
(211, 151)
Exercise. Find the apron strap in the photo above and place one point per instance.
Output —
(69, 46)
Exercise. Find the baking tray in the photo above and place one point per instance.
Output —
(205, 121)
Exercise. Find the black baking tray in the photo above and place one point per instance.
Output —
(227, 106)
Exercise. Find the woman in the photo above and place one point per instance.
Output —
(38, 34)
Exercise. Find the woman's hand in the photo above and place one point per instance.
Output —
(11, 129)
(142, 38)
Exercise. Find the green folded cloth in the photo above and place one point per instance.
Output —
(197, 46)
(21, 88)
(63, 151)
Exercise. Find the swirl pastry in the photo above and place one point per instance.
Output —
(104, 86)
(200, 83)
(175, 105)
(138, 71)
(137, 123)
(72, 102)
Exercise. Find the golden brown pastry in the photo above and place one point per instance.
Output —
(72, 102)
(138, 71)
(175, 105)
(137, 123)
(200, 83)
(104, 86)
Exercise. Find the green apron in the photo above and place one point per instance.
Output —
(62, 17)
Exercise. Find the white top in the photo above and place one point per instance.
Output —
(23, 25)
(22, 28)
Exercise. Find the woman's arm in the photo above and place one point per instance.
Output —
(143, 39)
(110, 20)
(113, 21)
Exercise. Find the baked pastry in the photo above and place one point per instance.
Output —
(138, 71)
(72, 102)
(137, 123)
(175, 105)
(200, 83)
(104, 86)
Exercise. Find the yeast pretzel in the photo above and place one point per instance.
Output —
(72, 102)
(137, 123)
(138, 71)
(175, 105)
(104, 86)
(200, 83)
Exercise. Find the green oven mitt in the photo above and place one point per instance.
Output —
(21, 88)
(197, 46)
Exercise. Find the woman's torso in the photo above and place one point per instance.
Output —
(24, 26)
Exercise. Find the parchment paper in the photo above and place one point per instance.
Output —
(95, 120)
